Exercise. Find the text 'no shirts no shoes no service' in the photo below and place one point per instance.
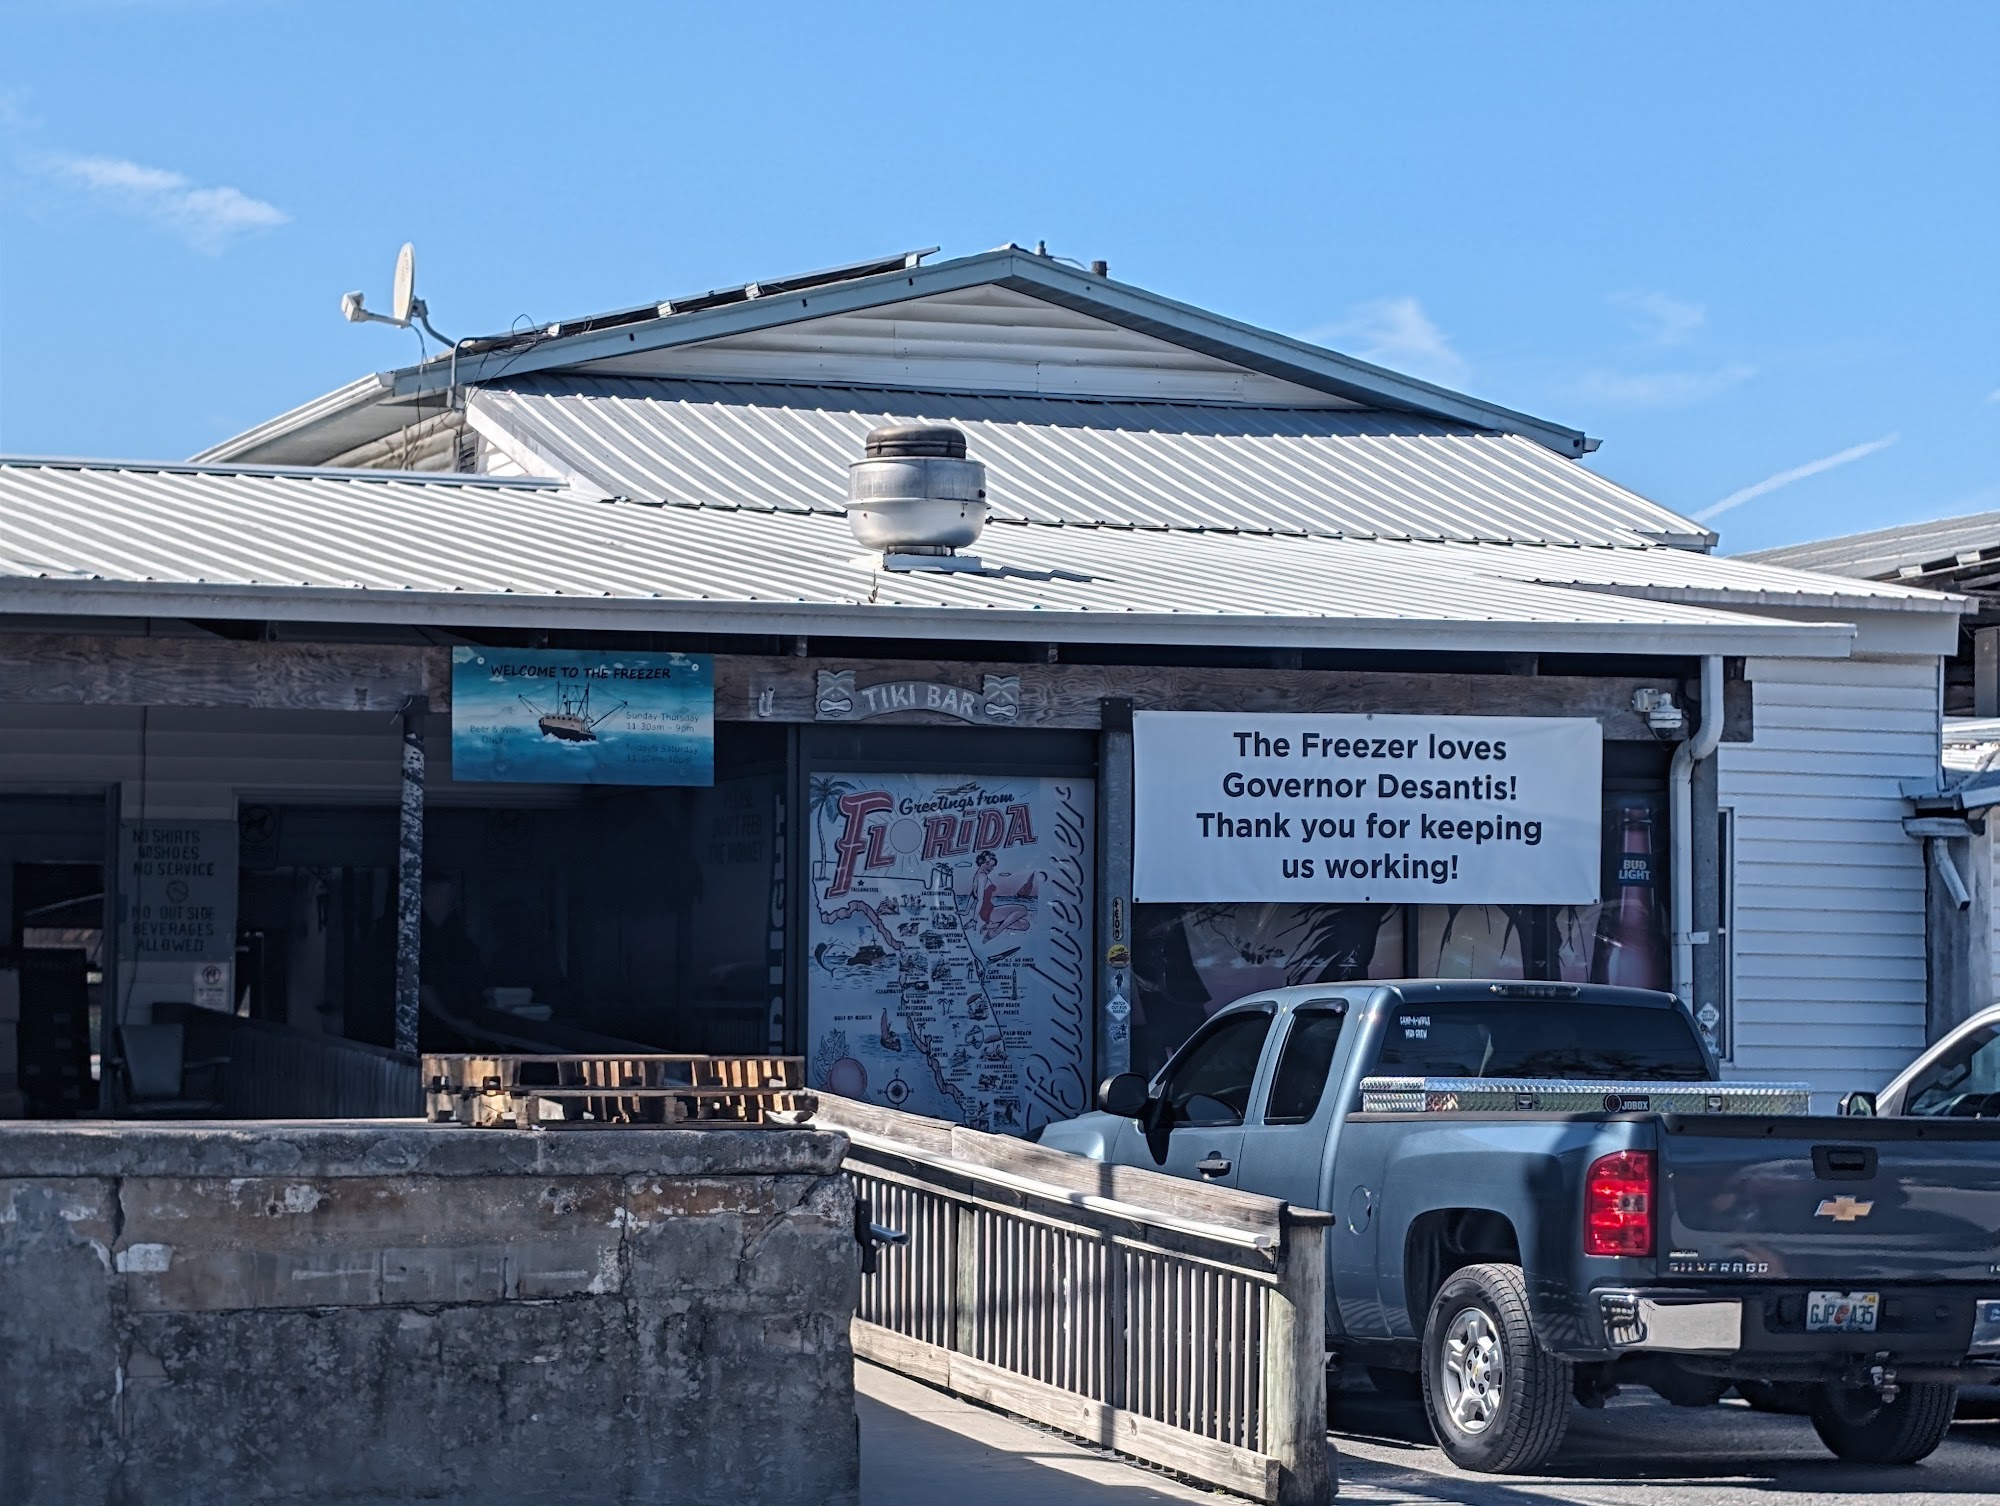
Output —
(1356, 808)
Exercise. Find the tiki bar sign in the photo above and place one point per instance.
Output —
(839, 699)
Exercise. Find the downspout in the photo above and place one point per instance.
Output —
(1680, 821)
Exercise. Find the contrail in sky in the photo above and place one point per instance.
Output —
(1796, 473)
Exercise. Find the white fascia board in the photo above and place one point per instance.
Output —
(1888, 630)
(1733, 637)
(364, 392)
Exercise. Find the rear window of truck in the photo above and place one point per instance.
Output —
(1551, 1038)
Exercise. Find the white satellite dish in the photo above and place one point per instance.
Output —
(405, 306)
(405, 288)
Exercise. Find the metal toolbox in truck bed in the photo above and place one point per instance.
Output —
(1498, 1095)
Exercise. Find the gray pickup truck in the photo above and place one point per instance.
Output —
(1544, 1191)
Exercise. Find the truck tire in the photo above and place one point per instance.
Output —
(1498, 1401)
(1858, 1426)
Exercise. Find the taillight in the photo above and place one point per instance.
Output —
(1618, 1204)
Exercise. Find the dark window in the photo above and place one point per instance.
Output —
(1962, 1084)
(1210, 1083)
(1295, 1092)
(1541, 1038)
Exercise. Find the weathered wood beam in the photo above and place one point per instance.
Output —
(45, 669)
(1071, 695)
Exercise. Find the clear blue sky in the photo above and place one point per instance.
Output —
(1736, 241)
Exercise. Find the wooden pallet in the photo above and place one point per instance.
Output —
(599, 1091)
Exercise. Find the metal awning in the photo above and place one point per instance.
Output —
(372, 546)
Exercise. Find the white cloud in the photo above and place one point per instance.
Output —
(1398, 334)
(1797, 473)
(1663, 319)
(206, 218)
(1661, 389)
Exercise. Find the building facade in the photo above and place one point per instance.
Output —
(542, 696)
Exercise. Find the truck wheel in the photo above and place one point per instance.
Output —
(1498, 1401)
(1859, 1426)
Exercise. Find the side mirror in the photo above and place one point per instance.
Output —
(1123, 1095)
(1858, 1105)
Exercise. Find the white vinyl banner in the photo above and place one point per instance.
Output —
(1354, 808)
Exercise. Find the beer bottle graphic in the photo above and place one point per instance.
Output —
(1628, 940)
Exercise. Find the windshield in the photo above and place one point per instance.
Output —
(1563, 1039)
(1963, 1083)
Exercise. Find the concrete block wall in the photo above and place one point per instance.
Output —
(394, 1312)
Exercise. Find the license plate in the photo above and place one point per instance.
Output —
(1842, 1312)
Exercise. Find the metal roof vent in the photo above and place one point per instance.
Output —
(916, 499)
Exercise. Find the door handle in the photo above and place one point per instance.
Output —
(1214, 1164)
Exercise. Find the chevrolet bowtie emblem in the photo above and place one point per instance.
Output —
(1843, 1209)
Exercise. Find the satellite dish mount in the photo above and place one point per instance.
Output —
(405, 307)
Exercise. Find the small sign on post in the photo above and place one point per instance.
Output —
(211, 986)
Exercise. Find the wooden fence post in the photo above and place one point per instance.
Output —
(1295, 1367)
(965, 1278)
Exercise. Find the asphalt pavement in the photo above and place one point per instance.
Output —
(920, 1447)
(1639, 1451)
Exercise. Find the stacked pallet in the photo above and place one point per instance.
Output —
(529, 1092)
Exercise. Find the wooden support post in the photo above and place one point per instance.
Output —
(1114, 889)
(964, 1337)
(1986, 672)
(111, 960)
(410, 876)
(1295, 1368)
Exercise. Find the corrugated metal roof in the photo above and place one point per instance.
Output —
(1343, 472)
(1705, 579)
(359, 545)
(1942, 544)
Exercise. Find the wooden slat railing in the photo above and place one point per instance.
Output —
(1179, 1323)
(272, 1071)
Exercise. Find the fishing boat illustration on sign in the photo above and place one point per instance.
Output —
(571, 721)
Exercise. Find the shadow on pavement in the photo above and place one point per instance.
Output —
(1644, 1444)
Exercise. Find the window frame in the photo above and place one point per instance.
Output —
(1213, 1026)
(1339, 1009)
(1929, 1078)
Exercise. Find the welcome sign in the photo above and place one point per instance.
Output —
(1359, 808)
(566, 716)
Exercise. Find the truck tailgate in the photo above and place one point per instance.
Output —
(1838, 1200)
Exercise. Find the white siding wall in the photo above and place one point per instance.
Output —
(1829, 971)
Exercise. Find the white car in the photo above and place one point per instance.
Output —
(1958, 1078)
